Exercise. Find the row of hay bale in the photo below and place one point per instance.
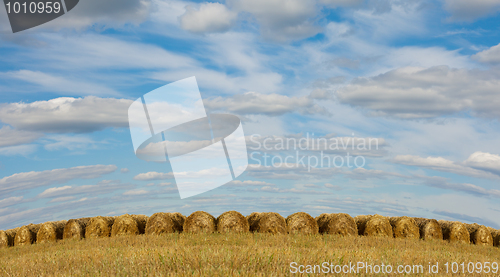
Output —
(270, 222)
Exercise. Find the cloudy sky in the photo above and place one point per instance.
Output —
(420, 77)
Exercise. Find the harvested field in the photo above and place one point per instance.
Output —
(338, 224)
(271, 222)
(404, 227)
(128, 225)
(374, 226)
(7, 238)
(232, 222)
(75, 228)
(50, 231)
(26, 235)
(429, 229)
(454, 231)
(99, 227)
(301, 223)
(164, 223)
(200, 222)
(480, 234)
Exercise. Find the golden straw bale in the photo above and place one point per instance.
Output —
(200, 222)
(164, 223)
(429, 228)
(232, 222)
(270, 222)
(301, 223)
(129, 225)
(339, 224)
(26, 235)
(404, 227)
(7, 238)
(75, 228)
(378, 226)
(179, 219)
(253, 218)
(454, 231)
(361, 221)
(479, 234)
(50, 231)
(496, 237)
(99, 227)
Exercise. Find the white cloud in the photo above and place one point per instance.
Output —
(99, 189)
(442, 183)
(247, 183)
(21, 150)
(268, 104)
(342, 3)
(281, 20)
(465, 10)
(33, 179)
(478, 165)
(490, 55)
(56, 84)
(11, 201)
(12, 137)
(152, 176)
(135, 192)
(209, 18)
(66, 114)
(414, 92)
(62, 199)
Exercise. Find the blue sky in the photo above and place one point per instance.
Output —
(421, 77)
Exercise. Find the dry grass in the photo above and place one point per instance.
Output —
(243, 254)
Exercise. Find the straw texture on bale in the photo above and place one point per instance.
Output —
(164, 223)
(129, 225)
(232, 222)
(200, 222)
(429, 229)
(179, 219)
(454, 231)
(338, 224)
(374, 226)
(301, 223)
(479, 234)
(404, 227)
(99, 227)
(253, 219)
(26, 235)
(270, 222)
(7, 238)
(75, 228)
(496, 237)
(50, 231)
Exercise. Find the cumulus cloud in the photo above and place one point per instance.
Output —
(478, 165)
(490, 55)
(465, 10)
(209, 18)
(414, 92)
(267, 104)
(33, 179)
(12, 137)
(281, 20)
(67, 114)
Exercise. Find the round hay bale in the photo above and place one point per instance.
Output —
(200, 222)
(479, 234)
(50, 231)
(429, 229)
(179, 219)
(454, 231)
(99, 227)
(232, 222)
(338, 224)
(252, 219)
(301, 223)
(404, 227)
(378, 226)
(7, 238)
(164, 223)
(129, 225)
(26, 235)
(496, 237)
(361, 221)
(75, 228)
(271, 222)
